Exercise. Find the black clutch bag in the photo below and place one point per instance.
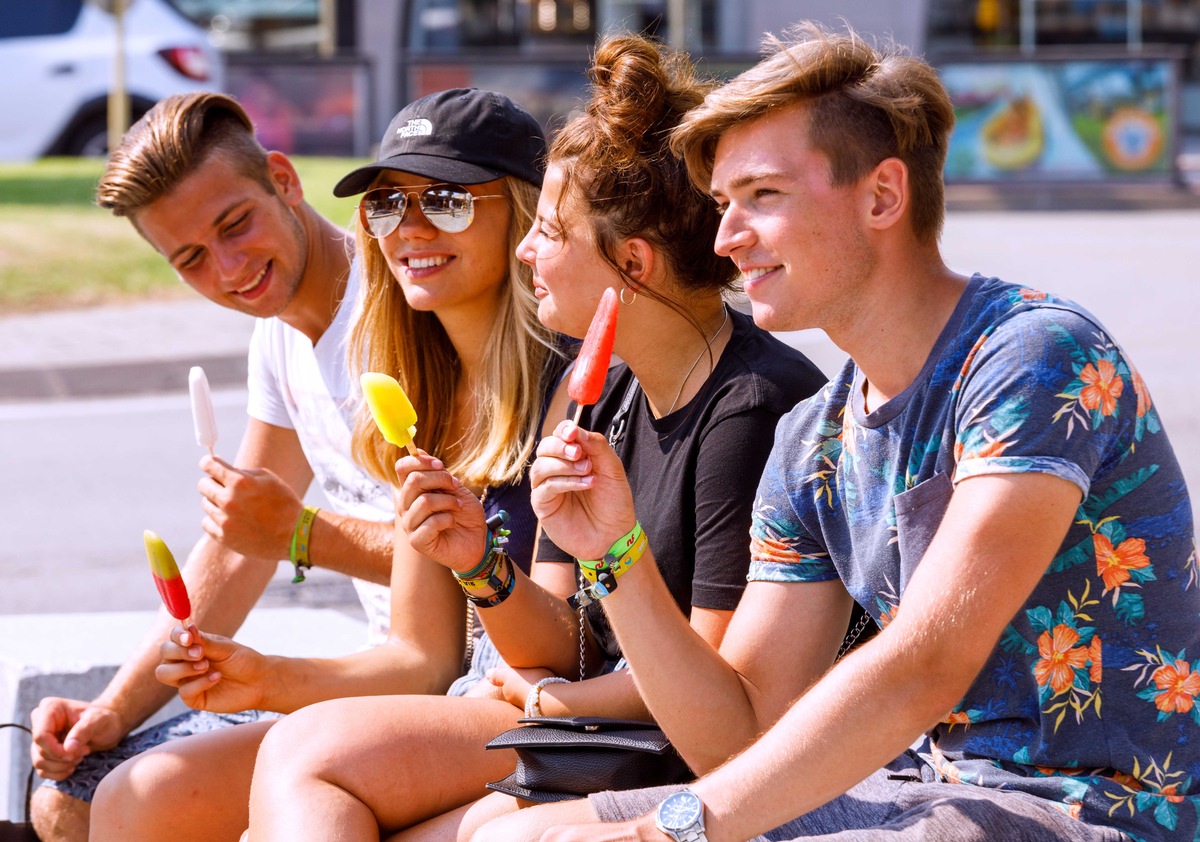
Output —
(560, 758)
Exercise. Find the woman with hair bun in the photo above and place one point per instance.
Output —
(690, 408)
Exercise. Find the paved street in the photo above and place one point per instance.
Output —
(80, 478)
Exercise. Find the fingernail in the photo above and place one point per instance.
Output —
(583, 466)
(572, 451)
(195, 652)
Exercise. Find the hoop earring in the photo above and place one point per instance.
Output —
(621, 295)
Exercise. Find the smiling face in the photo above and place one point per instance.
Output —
(569, 273)
(230, 239)
(799, 242)
(437, 270)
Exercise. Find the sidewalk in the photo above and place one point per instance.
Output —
(129, 349)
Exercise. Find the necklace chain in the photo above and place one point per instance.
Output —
(707, 347)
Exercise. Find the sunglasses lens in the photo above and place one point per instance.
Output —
(449, 207)
(381, 211)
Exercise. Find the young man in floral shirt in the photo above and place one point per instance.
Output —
(987, 476)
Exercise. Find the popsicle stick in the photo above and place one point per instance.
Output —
(578, 414)
(412, 449)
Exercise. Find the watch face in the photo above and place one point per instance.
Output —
(680, 810)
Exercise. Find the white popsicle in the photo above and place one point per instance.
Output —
(203, 418)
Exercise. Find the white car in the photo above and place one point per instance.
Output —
(56, 69)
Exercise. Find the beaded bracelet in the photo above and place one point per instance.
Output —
(301, 535)
(533, 700)
(622, 555)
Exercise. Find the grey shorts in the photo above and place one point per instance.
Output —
(898, 803)
(92, 769)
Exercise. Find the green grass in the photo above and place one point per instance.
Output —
(57, 249)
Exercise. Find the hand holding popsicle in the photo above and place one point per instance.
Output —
(591, 367)
(390, 407)
(214, 673)
(204, 420)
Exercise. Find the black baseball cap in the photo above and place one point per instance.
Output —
(462, 135)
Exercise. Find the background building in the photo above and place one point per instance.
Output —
(1046, 89)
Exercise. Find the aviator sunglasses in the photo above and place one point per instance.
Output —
(448, 207)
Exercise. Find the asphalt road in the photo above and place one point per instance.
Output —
(80, 482)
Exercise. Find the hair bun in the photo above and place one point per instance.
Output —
(639, 90)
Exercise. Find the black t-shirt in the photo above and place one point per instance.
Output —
(694, 472)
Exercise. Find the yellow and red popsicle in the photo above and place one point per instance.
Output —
(390, 407)
(167, 578)
(591, 367)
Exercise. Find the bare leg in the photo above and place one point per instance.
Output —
(458, 825)
(195, 788)
(531, 823)
(375, 763)
(57, 817)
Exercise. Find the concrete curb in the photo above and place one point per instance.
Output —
(66, 382)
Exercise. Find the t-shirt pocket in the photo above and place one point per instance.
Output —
(919, 513)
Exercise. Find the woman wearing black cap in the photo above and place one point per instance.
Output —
(692, 406)
(445, 307)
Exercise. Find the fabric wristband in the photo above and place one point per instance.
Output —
(533, 699)
(481, 576)
(620, 556)
(501, 589)
(301, 536)
(494, 539)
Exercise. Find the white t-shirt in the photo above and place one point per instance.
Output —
(307, 388)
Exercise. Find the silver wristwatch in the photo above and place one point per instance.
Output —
(681, 816)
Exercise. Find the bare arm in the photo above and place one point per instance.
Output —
(583, 498)
(423, 653)
(224, 580)
(252, 509)
(976, 574)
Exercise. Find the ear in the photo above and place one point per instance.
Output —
(890, 194)
(285, 178)
(637, 259)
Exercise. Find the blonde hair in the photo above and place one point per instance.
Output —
(170, 142)
(391, 337)
(864, 105)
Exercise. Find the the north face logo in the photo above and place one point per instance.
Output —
(416, 128)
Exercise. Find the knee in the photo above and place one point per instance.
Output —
(57, 817)
(113, 803)
(300, 745)
(128, 799)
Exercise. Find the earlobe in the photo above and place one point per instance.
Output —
(890, 193)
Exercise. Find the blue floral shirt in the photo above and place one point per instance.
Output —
(1090, 697)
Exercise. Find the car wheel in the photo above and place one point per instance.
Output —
(90, 140)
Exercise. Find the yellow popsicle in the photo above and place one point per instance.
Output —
(390, 407)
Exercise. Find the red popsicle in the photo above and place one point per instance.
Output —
(591, 367)
(167, 578)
